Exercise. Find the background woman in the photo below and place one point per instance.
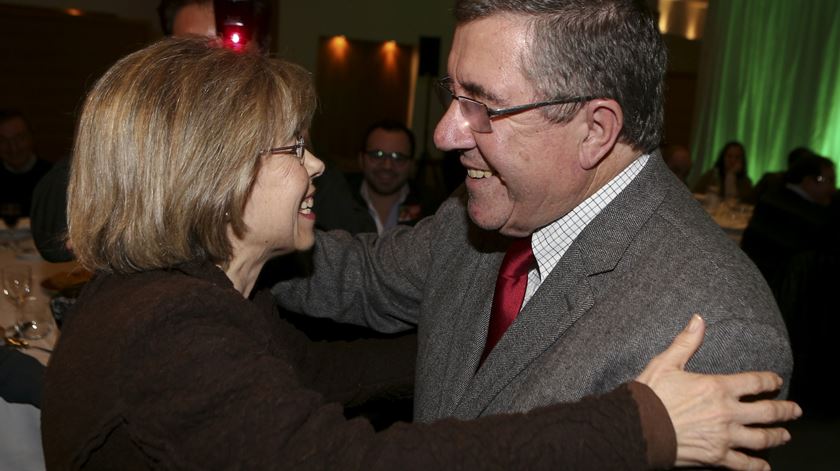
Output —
(728, 177)
(189, 172)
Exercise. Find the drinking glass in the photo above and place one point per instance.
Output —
(17, 284)
(33, 320)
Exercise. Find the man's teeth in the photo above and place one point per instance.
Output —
(306, 206)
(473, 173)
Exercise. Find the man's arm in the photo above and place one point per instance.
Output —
(367, 280)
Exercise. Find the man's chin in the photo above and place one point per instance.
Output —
(488, 220)
(386, 190)
(495, 221)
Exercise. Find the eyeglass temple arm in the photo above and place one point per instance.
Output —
(530, 106)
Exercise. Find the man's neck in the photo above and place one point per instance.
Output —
(24, 167)
(618, 159)
(384, 203)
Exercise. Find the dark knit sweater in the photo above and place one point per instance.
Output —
(174, 369)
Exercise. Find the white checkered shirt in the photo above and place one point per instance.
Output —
(551, 242)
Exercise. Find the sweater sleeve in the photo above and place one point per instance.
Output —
(657, 429)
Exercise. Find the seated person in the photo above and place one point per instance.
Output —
(49, 214)
(678, 159)
(728, 178)
(773, 181)
(21, 168)
(166, 363)
(387, 161)
(792, 219)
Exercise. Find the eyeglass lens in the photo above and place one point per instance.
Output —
(381, 155)
(475, 112)
(301, 149)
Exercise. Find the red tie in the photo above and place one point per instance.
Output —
(510, 290)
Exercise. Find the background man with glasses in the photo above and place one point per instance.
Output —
(575, 254)
(387, 162)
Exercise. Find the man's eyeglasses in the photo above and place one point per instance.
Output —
(380, 156)
(298, 150)
(478, 114)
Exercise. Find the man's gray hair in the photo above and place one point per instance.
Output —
(602, 48)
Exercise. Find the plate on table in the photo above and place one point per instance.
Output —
(66, 280)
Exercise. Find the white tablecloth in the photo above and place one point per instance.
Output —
(732, 217)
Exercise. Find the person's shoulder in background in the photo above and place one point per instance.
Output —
(49, 213)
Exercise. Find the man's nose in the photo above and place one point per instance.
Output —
(453, 131)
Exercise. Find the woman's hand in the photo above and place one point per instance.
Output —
(710, 421)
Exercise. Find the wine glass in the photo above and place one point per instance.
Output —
(31, 323)
(17, 284)
(33, 320)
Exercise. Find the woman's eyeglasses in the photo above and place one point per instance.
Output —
(298, 150)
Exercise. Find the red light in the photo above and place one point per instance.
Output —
(235, 36)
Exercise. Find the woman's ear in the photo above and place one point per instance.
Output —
(604, 119)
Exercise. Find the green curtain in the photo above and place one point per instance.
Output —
(768, 77)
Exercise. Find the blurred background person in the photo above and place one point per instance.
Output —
(187, 18)
(772, 182)
(792, 219)
(678, 158)
(387, 162)
(21, 168)
(728, 178)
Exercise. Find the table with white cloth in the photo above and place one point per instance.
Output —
(732, 216)
(20, 435)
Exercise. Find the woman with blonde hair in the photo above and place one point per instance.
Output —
(189, 172)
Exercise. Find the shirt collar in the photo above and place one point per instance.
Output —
(551, 242)
(393, 216)
(30, 164)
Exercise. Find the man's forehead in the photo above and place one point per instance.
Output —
(12, 126)
(381, 137)
(195, 19)
(487, 54)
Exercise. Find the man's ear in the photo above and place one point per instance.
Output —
(604, 120)
(361, 160)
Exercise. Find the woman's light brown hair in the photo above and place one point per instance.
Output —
(167, 149)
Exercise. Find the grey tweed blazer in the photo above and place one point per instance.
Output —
(626, 286)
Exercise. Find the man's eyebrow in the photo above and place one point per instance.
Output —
(478, 92)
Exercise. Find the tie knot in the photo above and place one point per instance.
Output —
(519, 258)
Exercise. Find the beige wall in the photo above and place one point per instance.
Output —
(301, 23)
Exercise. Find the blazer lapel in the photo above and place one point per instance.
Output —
(560, 301)
(456, 337)
(469, 333)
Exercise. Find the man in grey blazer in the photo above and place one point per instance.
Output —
(556, 110)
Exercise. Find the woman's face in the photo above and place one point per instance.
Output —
(278, 213)
(733, 159)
